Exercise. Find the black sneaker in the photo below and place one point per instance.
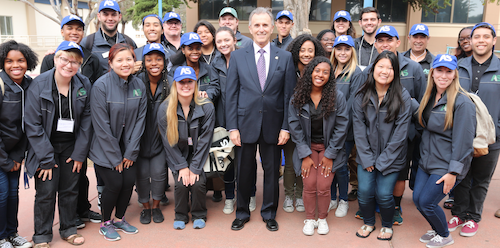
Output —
(217, 196)
(79, 223)
(145, 216)
(91, 216)
(353, 195)
(164, 200)
(157, 215)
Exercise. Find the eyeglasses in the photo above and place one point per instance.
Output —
(173, 23)
(328, 39)
(463, 39)
(64, 61)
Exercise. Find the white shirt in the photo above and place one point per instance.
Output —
(267, 54)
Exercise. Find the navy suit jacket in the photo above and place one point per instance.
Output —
(251, 109)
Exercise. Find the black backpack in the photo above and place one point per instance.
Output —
(90, 41)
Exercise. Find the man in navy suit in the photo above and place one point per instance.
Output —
(260, 83)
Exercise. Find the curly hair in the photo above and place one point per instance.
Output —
(30, 56)
(297, 43)
(303, 88)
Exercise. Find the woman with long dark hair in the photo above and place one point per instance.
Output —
(381, 119)
(318, 119)
(206, 31)
(448, 117)
(186, 123)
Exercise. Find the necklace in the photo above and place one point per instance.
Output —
(418, 57)
(210, 58)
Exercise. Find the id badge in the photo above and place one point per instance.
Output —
(65, 125)
(105, 55)
(190, 141)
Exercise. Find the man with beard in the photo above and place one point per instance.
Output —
(369, 20)
(100, 42)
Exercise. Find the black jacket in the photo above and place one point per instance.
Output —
(218, 86)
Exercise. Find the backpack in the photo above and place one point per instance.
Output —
(90, 41)
(485, 127)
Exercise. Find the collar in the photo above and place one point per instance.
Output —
(428, 56)
(266, 48)
(487, 62)
(11, 84)
(284, 39)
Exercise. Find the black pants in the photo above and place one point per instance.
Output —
(65, 183)
(247, 169)
(118, 190)
(83, 191)
(469, 197)
(198, 199)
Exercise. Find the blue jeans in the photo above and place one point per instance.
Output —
(342, 176)
(9, 203)
(376, 188)
(426, 196)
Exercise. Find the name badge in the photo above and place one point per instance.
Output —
(190, 141)
(65, 125)
(105, 55)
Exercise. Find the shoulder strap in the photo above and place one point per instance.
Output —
(2, 85)
(90, 41)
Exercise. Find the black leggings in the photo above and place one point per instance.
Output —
(117, 191)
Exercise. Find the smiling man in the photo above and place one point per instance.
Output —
(369, 20)
(228, 17)
(284, 24)
(172, 27)
(418, 39)
(100, 42)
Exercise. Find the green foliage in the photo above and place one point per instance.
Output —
(143, 8)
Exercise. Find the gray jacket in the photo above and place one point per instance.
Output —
(13, 142)
(39, 117)
(219, 71)
(243, 41)
(334, 131)
(200, 131)
(118, 114)
(349, 87)
(204, 78)
(489, 89)
(378, 143)
(285, 42)
(449, 150)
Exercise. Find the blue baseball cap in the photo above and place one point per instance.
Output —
(109, 4)
(148, 48)
(387, 30)
(183, 72)
(190, 38)
(344, 39)
(152, 15)
(419, 29)
(71, 18)
(284, 13)
(69, 45)
(446, 60)
(484, 25)
(342, 14)
(171, 15)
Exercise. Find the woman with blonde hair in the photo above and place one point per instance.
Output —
(445, 155)
(186, 123)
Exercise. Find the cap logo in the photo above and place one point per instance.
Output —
(172, 14)
(420, 27)
(446, 58)
(342, 38)
(154, 46)
(228, 10)
(72, 17)
(109, 3)
(73, 44)
(385, 29)
(193, 36)
(342, 13)
(285, 12)
(185, 71)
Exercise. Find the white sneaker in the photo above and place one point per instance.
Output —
(323, 227)
(288, 204)
(229, 206)
(333, 205)
(253, 204)
(299, 205)
(342, 209)
(309, 226)
(4, 243)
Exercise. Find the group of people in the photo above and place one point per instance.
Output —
(344, 110)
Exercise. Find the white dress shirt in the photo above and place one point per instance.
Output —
(267, 54)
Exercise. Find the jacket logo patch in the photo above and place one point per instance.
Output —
(238, 43)
(426, 71)
(495, 78)
(404, 73)
(443, 108)
(206, 80)
(137, 92)
(82, 92)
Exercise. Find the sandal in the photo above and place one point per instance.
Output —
(448, 204)
(383, 231)
(365, 228)
(42, 245)
(71, 239)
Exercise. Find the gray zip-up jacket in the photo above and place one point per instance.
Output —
(200, 131)
(334, 132)
(283, 45)
(449, 150)
(242, 41)
(349, 87)
(151, 141)
(218, 84)
(39, 117)
(378, 143)
(119, 110)
(204, 78)
(13, 142)
(489, 90)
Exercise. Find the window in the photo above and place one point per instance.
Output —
(390, 10)
(6, 25)
(209, 9)
(321, 10)
(460, 11)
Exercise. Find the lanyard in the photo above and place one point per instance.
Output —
(69, 100)
(359, 51)
(22, 104)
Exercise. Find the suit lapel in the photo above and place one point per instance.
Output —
(250, 56)
(273, 61)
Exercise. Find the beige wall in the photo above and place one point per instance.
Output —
(18, 12)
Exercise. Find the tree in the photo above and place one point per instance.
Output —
(142, 8)
(125, 6)
(300, 10)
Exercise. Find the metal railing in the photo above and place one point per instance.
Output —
(34, 41)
